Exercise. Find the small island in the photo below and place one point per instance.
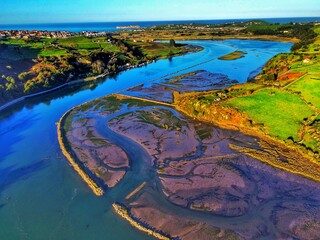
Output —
(233, 56)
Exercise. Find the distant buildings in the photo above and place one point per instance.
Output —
(94, 34)
(26, 34)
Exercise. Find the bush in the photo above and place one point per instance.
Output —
(23, 75)
(172, 43)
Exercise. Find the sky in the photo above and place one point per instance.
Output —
(65, 11)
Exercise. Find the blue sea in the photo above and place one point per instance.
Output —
(111, 26)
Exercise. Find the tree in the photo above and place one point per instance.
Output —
(22, 75)
(172, 43)
(170, 55)
(11, 84)
(98, 67)
(112, 67)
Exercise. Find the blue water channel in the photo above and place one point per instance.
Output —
(41, 197)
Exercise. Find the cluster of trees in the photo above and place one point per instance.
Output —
(278, 65)
(265, 31)
(9, 87)
(134, 52)
(53, 71)
(32, 40)
(306, 35)
(304, 32)
(50, 72)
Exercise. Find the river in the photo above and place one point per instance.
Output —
(41, 196)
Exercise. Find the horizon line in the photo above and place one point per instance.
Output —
(170, 20)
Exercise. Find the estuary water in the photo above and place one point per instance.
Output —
(41, 196)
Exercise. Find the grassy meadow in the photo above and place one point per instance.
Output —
(159, 49)
(281, 113)
(309, 88)
(46, 47)
(283, 101)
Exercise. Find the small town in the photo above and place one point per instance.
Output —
(28, 34)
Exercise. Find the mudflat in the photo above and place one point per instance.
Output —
(199, 178)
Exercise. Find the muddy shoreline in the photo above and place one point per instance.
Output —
(201, 170)
(73, 162)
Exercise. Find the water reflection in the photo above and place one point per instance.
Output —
(11, 175)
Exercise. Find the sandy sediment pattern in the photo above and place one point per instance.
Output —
(91, 183)
(123, 212)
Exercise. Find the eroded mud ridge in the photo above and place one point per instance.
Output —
(194, 81)
(106, 162)
(197, 185)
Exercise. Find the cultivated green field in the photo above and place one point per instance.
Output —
(281, 113)
(53, 52)
(309, 88)
(46, 47)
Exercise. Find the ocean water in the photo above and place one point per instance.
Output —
(111, 26)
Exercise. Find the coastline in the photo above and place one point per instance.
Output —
(201, 182)
(259, 37)
(90, 182)
(124, 213)
(137, 223)
(264, 139)
(221, 38)
(79, 81)
(84, 80)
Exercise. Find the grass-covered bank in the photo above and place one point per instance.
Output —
(29, 67)
(61, 125)
(281, 113)
(282, 102)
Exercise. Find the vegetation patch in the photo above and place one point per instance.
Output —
(233, 56)
(51, 62)
(308, 87)
(155, 50)
(280, 112)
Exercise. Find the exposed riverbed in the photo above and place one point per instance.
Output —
(41, 197)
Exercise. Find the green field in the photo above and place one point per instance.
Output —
(53, 52)
(280, 112)
(109, 47)
(46, 47)
(74, 40)
(309, 88)
(159, 50)
(264, 27)
(84, 45)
